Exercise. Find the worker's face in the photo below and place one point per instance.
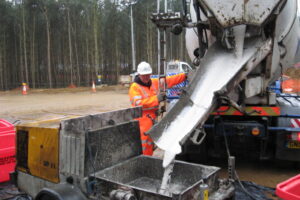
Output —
(145, 78)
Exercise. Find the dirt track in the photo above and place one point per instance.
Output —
(50, 103)
(38, 103)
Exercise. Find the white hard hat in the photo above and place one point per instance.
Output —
(144, 68)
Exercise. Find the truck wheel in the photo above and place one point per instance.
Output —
(60, 192)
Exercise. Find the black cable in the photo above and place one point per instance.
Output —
(228, 154)
(243, 188)
(16, 122)
(225, 138)
(199, 29)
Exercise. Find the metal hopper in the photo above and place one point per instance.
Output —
(101, 158)
(144, 174)
(138, 173)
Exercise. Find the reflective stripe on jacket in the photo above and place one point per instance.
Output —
(147, 98)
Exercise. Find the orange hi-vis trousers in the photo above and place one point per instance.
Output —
(145, 124)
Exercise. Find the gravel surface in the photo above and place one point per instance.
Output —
(45, 104)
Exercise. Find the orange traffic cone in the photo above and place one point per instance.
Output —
(93, 87)
(24, 89)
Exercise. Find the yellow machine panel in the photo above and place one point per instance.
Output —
(38, 151)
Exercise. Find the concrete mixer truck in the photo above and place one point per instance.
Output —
(240, 48)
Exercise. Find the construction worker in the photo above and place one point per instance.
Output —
(144, 92)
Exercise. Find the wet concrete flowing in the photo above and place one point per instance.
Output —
(166, 180)
(46, 104)
(199, 101)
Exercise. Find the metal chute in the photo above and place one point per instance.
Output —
(221, 71)
(254, 42)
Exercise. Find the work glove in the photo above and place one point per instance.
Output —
(161, 97)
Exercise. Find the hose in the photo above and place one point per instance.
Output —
(235, 172)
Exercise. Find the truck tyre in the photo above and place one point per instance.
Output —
(60, 192)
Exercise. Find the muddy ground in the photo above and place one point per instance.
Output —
(48, 103)
(45, 104)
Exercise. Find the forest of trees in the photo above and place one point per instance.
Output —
(55, 43)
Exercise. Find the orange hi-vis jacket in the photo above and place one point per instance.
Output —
(147, 98)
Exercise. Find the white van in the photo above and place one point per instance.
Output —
(178, 67)
(173, 67)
